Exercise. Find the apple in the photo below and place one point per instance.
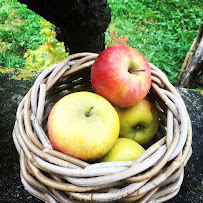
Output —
(124, 150)
(83, 125)
(122, 75)
(139, 122)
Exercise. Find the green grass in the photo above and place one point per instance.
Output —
(162, 31)
(19, 31)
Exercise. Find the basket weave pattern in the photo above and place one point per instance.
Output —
(55, 177)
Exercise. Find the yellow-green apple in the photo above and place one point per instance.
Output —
(83, 125)
(139, 122)
(122, 75)
(124, 150)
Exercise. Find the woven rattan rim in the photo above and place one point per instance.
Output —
(54, 177)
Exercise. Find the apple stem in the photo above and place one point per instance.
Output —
(134, 71)
(88, 113)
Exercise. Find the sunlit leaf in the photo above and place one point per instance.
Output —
(112, 33)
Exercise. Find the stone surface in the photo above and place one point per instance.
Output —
(11, 93)
(192, 187)
(11, 189)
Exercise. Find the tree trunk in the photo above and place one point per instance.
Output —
(80, 24)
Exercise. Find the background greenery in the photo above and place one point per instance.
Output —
(19, 31)
(162, 30)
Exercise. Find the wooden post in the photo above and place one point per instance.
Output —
(190, 54)
(192, 66)
(195, 66)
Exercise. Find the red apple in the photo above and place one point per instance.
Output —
(122, 75)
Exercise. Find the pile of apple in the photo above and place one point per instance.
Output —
(113, 123)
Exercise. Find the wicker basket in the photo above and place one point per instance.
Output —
(55, 177)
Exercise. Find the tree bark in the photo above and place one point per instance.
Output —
(80, 24)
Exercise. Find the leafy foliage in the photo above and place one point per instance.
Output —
(50, 53)
(116, 40)
(19, 31)
(22, 36)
